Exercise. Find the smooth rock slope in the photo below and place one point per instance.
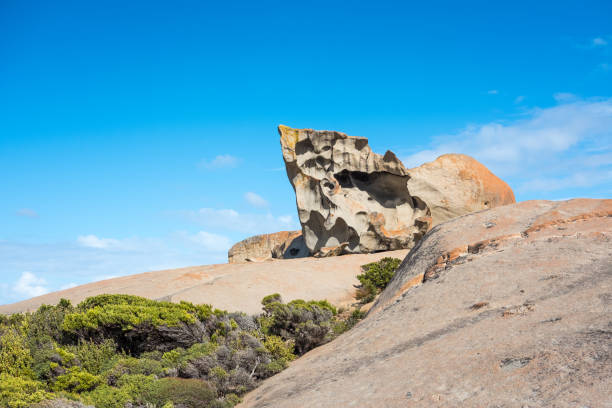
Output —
(233, 287)
(510, 307)
(351, 200)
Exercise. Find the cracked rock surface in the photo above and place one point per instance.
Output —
(509, 307)
(351, 200)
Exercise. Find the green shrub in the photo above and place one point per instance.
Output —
(376, 277)
(95, 358)
(111, 350)
(129, 311)
(282, 351)
(307, 324)
(188, 393)
(139, 325)
(19, 392)
(76, 380)
(105, 396)
(15, 356)
(137, 386)
(127, 365)
(45, 325)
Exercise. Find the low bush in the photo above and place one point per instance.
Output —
(188, 393)
(75, 379)
(137, 324)
(306, 324)
(375, 277)
(20, 392)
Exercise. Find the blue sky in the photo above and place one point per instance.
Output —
(137, 136)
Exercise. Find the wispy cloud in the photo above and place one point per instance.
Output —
(29, 285)
(564, 97)
(26, 212)
(222, 161)
(493, 92)
(92, 241)
(255, 200)
(563, 147)
(519, 99)
(91, 258)
(211, 242)
(599, 42)
(232, 220)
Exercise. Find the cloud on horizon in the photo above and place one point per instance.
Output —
(36, 269)
(548, 149)
(223, 161)
(29, 285)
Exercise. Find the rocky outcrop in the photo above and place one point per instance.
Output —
(352, 200)
(283, 244)
(456, 184)
(508, 307)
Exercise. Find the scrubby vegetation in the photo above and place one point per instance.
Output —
(119, 351)
(375, 277)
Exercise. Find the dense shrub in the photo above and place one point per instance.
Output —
(15, 357)
(107, 397)
(137, 324)
(376, 277)
(118, 351)
(306, 324)
(188, 393)
(20, 392)
(94, 357)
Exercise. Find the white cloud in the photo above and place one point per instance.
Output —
(29, 285)
(211, 242)
(222, 161)
(66, 263)
(493, 92)
(562, 147)
(232, 220)
(92, 241)
(286, 219)
(564, 97)
(255, 200)
(27, 212)
(519, 99)
(581, 179)
(599, 42)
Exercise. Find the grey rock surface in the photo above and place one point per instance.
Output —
(510, 307)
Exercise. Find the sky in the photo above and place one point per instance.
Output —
(139, 136)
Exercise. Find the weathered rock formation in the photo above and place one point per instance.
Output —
(283, 244)
(350, 199)
(508, 307)
(456, 184)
